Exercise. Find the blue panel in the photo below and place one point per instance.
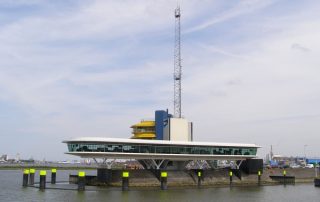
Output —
(273, 163)
(313, 161)
(159, 118)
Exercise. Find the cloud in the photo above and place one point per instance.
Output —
(241, 8)
(296, 46)
(95, 68)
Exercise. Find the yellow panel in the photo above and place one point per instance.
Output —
(199, 174)
(125, 174)
(230, 173)
(81, 174)
(32, 171)
(146, 135)
(43, 172)
(53, 170)
(144, 124)
(164, 174)
(26, 171)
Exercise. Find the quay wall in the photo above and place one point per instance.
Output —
(218, 177)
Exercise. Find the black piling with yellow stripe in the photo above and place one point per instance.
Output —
(259, 177)
(43, 175)
(125, 181)
(230, 175)
(53, 175)
(25, 177)
(81, 181)
(31, 176)
(284, 176)
(199, 174)
(163, 180)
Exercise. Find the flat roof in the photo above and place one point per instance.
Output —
(156, 142)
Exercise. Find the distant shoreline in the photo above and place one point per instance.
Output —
(47, 166)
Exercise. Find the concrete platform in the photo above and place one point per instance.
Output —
(218, 177)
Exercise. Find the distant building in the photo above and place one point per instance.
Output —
(313, 160)
(4, 158)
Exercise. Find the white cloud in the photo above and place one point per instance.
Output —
(89, 71)
(240, 8)
(275, 98)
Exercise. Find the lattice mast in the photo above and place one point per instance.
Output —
(177, 65)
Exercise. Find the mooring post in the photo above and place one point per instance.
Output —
(125, 181)
(259, 177)
(81, 181)
(43, 174)
(230, 174)
(25, 177)
(284, 176)
(31, 176)
(53, 175)
(199, 173)
(163, 180)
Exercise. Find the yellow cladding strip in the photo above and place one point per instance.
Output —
(81, 174)
(144, 124)
(53, 170)
(43, 172)
(284, 172)
(164, 174)
(144, 135)
(32, 171)
(26, 171)
(230, 173)
(259, 172)
(199, 174)
(125, 174)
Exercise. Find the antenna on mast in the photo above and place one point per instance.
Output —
(177, 65)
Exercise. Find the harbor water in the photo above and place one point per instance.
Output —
(11, 190)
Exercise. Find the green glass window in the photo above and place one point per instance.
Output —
(160, 149)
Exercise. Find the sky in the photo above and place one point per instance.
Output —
(251, 71)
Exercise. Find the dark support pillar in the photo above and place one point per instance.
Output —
(317, 182)
(199, 174)
(104, 175)
(25, 177)
(284, 176)
(81, 181)
(31, 176)
(259, 177)
(230, 175)
(43, 174)
(163, 180)
(53, 175)
(125, 181)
